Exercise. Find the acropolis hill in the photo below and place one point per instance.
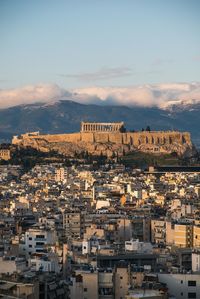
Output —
(108, 139)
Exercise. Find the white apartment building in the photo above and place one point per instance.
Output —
(196, 261)
(182, 286)
(37, 239)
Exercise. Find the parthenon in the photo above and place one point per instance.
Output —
(101, 127)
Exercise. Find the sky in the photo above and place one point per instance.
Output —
(83, 43)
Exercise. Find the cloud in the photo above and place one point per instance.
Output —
(160, 95)
(31, 94)
(103, 74)
(120, 96)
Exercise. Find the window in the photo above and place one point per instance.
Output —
(192, 295)
(39, 243)
(29, 246)
(181, 293)
(181, 281)
(40, 236)
(121, 277)
(191, 283)
(30, 238)
(85, 289)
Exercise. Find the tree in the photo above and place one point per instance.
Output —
(148, 129)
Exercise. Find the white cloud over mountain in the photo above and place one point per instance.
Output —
(31, 94)
(160, 95)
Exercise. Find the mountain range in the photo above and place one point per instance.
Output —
(64, 116)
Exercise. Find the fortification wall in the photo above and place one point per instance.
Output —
(97, 142)
(135, 138)
(75, 137)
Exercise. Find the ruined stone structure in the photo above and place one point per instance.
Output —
(101, 127)
(110, 141)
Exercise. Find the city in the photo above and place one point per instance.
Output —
(100, 149)
(99, 231)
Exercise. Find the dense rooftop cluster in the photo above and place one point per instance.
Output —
(112, 232)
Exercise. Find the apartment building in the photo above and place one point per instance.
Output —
(182, 286)
(158, 231)
(73, 224)
(37, 239)
(183, 235)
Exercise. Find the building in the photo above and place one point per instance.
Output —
(38, 239)
(158, 231)
(182, 286)
(183, 235)
(15, 289)
(146, 294)
(196, 236)
(11, 264)
(60, 175)
(102, 127)
(5, 154)
(196, 261)
(44, 262)
(140, 247)
(73, 224)
(84, 285)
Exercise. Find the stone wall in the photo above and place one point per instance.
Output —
(102, 142)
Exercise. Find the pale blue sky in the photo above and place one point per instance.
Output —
(80, 43)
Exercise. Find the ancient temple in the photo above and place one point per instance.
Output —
(101, 127)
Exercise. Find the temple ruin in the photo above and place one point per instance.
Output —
(101, 127)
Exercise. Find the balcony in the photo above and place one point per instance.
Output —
(39, 246)
(40, 239)
(106, 292)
